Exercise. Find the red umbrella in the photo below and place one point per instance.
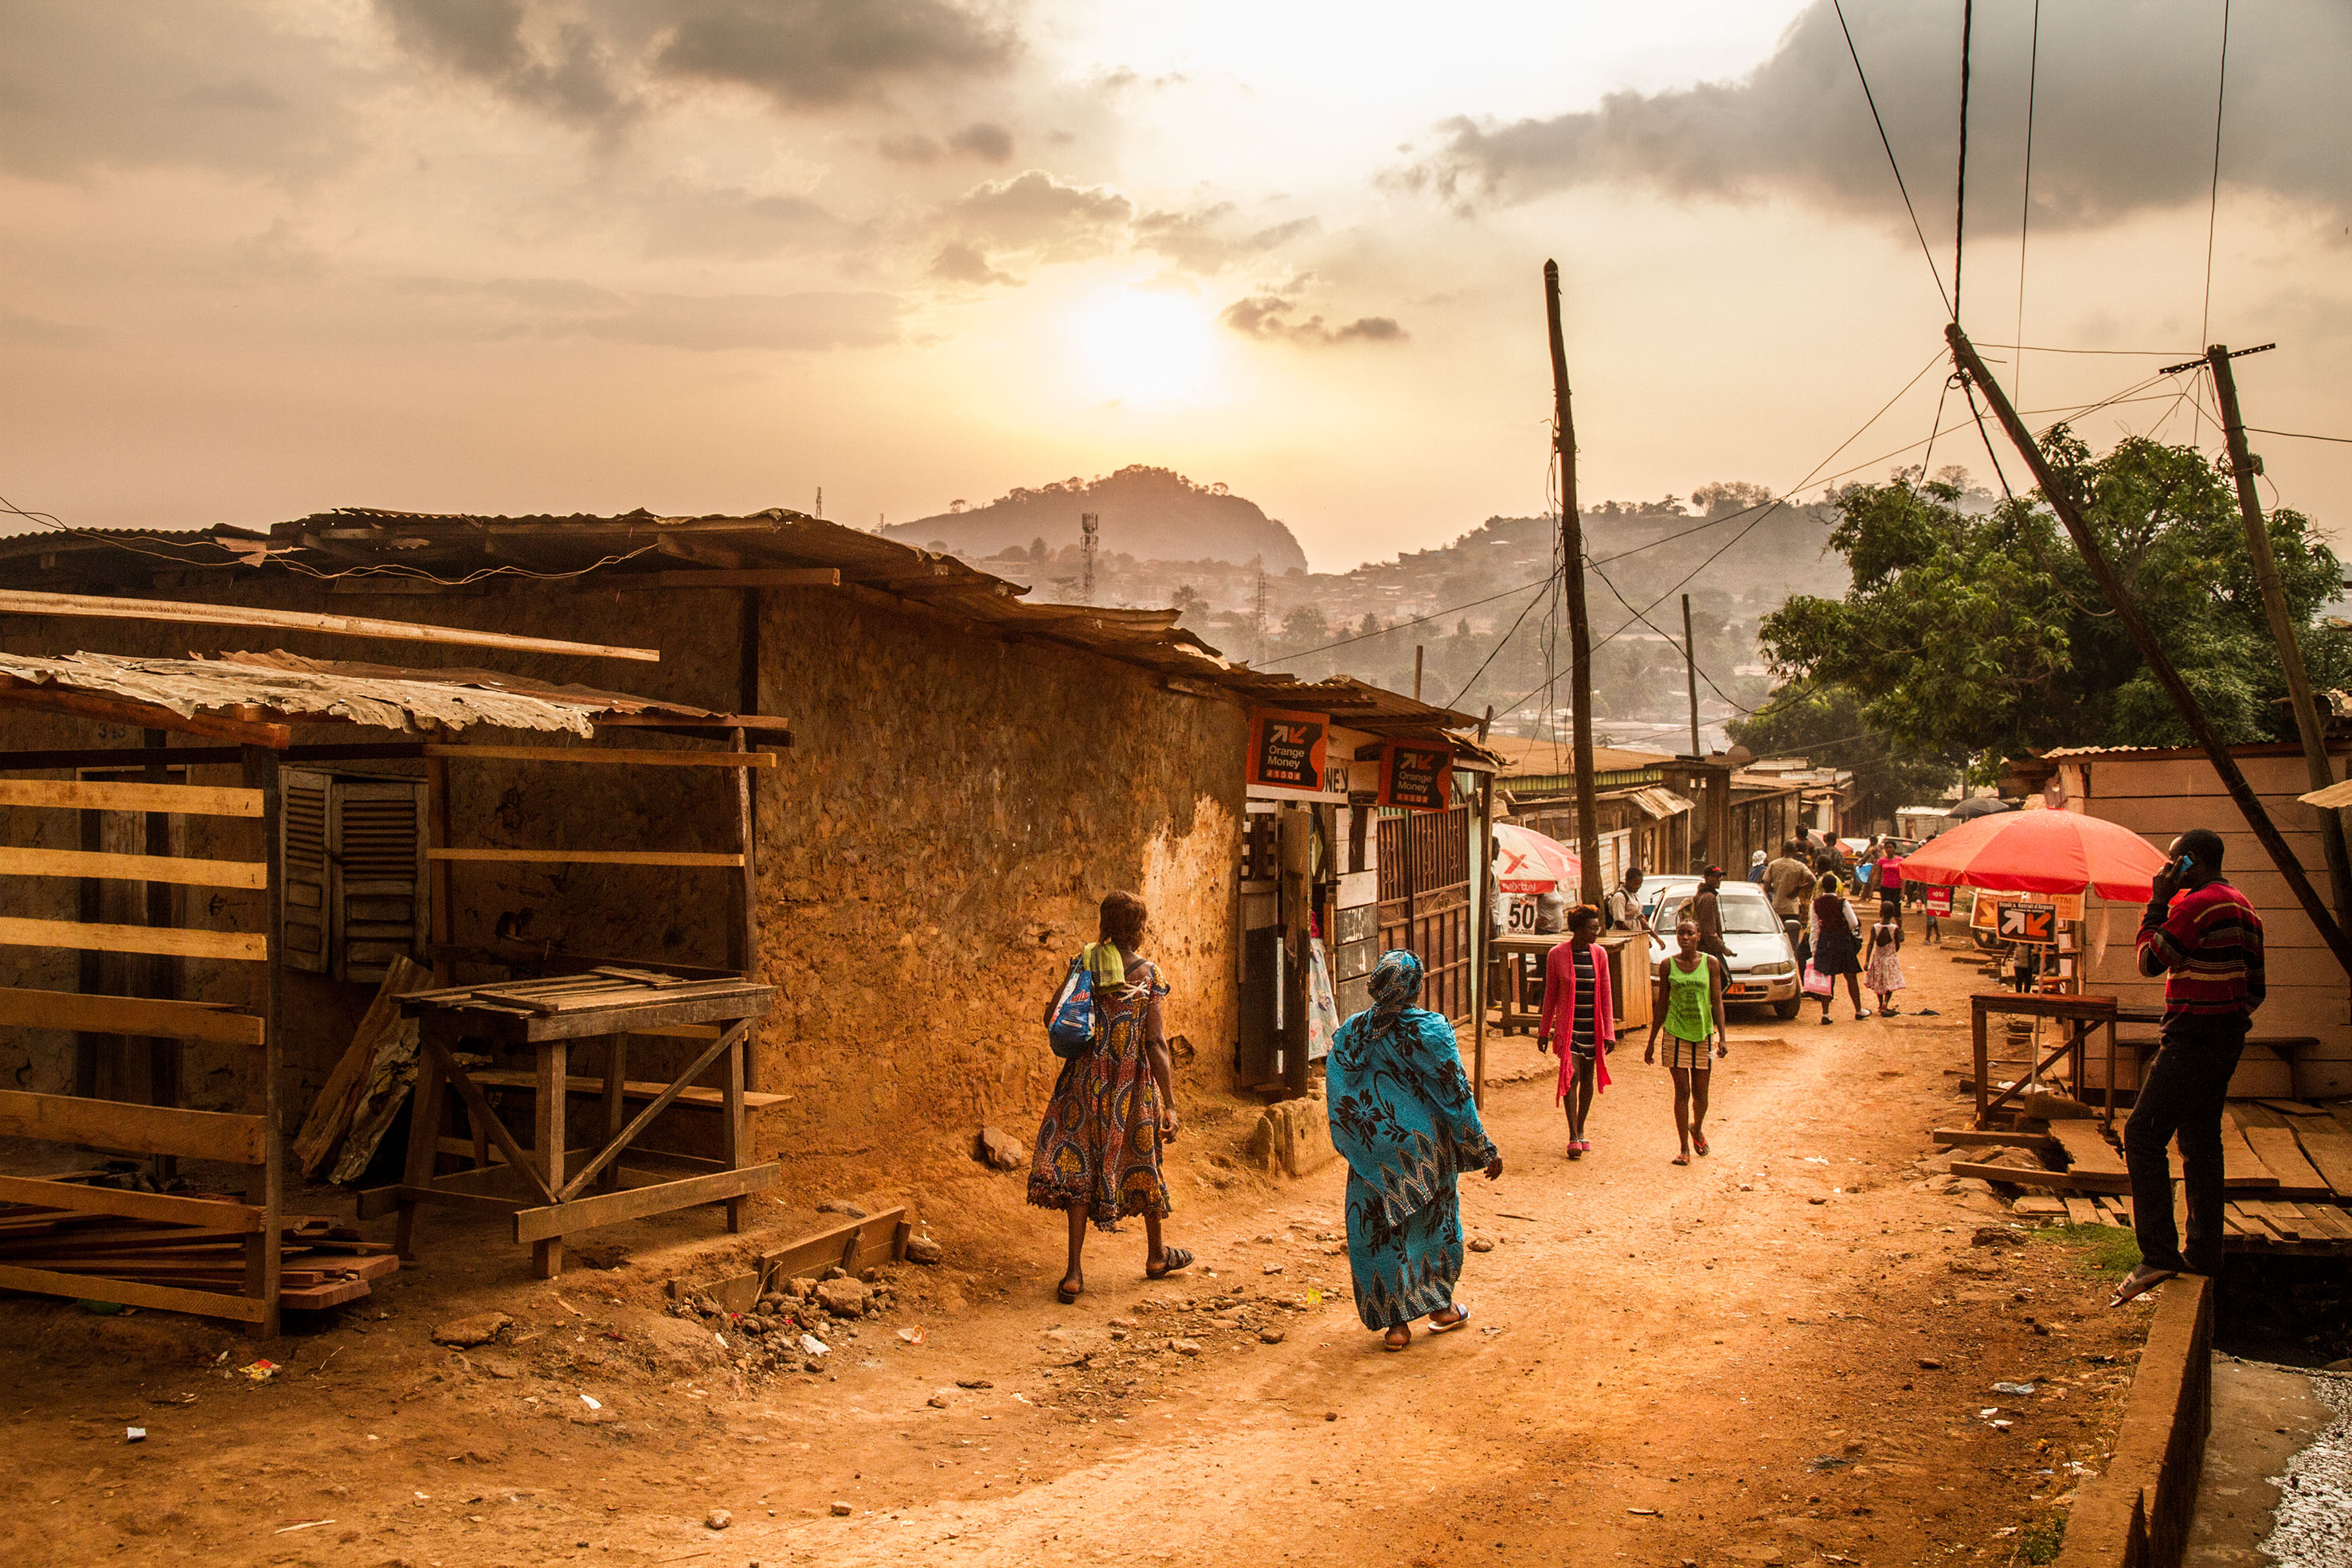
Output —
(2040, 851)
(1530, 863)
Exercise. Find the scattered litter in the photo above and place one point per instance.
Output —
(2012, 1388)
(2001, 1425)
(1314, 1297)
(1816, 1160)
(722, 1339)
(813, 1346)
(912, 1335)
(1823, 1462)
(134, 1434)
(311, 1524)
(260, 1371)
(1988, 1412)
(1023, 1397)
(591, 1404)
(1646, 1513)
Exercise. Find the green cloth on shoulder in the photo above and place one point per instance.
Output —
(1102, 961)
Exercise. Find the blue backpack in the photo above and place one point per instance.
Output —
(1075, 1024)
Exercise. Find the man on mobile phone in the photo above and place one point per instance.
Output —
(2202, 936)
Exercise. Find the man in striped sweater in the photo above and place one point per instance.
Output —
(2202, 936)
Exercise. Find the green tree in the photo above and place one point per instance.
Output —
(1826, 726)
(1983, 632)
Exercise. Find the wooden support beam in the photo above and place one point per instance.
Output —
(26, 601)
(169, 1298)
(586, 857)
(763, 723)
(126, 1128)
(608, 755)
(178, 870)
(142, 1015)
(184, 800)
(192, 756)
(173, 943)
(82, 1198)
(746, 577)
(562, 1219)
(50, 698)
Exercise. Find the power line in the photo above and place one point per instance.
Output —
(2213, 196)
(1416, 620)
(2301, 435)
(1960, 182)
(1500, 643)
(1872, 98)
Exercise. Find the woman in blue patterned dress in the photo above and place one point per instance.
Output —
(1402, 1117)
(1114, 1105)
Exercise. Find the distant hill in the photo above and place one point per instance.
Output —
(1150, 514)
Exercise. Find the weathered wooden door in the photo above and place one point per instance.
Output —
(1425, 880)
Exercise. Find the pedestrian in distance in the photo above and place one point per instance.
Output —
(1579, 1012)
(1623, 907)
(1688, 1010)
(1836, 933)
(1114, 1105)
(1789, 882)
(1403, 1118)
(1707, 908)
(1882, 969)
(1756, 864)
(2206, 940)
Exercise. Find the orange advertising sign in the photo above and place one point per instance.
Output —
(1417, 776)
(1288, 750)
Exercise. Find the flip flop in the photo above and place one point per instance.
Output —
(1063, 1293)
(1394, 1346)
(1462, 1317)
(1681, 1159)
(1174, 1260)
(1698, 1144)
(2127, 1290)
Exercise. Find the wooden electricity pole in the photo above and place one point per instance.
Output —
(2298, 681)
(1580, 624)
(2159, 662)
(1690, 664)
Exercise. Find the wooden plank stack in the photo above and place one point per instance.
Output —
(323, 1265)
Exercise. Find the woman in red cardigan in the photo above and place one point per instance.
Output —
(1578, 1010)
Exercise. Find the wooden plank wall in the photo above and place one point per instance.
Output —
(2161, 795)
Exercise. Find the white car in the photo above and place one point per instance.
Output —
(1763, 967)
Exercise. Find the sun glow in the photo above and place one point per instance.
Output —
(1144, 348)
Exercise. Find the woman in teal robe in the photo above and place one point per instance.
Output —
(1402, 1117)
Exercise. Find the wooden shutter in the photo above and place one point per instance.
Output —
(302, 820)
(377, 834)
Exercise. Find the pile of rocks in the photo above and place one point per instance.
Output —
(793, 1327)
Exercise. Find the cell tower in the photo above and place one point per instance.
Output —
(1257, 608)
(1089, 526)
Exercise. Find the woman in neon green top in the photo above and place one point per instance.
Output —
(1689, 1007)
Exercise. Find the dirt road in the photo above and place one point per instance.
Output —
(1784, 1353)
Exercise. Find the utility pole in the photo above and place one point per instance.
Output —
(1690, 661)
(1580, 624)
(1418, 650)
(2298, 680)
(2152, 652)
(1089, 526)
(820, 500)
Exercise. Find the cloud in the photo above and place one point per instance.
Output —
(572, 308)
(1033, 212)
(2122, 116)
(123, 84)
(1201, 240)
(959, 263)
(736, 223)
(810, 54)
(1266, 318)
(572, 78)
(988, 142)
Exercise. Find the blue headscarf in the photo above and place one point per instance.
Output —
(1396, 982)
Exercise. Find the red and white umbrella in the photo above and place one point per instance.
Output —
(2040, 851)
(1527, 861)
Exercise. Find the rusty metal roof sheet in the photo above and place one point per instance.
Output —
(377, 694)
(358, 542)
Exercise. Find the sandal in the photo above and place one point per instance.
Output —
(1390, 1344)
(2138, 1282)
(1066, 1292)
(1681, 1159)
(1173, 1261)
(1461, 1316)
(1575, 1150)
(1698, 1144)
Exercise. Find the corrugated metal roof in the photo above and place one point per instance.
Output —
(386, 698)
(358, 542)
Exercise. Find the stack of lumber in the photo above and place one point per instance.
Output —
(362, 1097)
(324, 1265)
(606, 986)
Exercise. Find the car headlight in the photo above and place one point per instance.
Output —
(1773, 971)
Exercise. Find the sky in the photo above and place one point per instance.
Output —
(260, 259)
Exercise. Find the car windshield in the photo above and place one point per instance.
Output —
(1741, 916)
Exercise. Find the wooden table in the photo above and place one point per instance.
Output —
(2081, 1015)
(548, 1197)
(1520, 1003)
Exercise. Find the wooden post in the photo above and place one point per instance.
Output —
(441, 905)
(2152, 652)
(1418, 650)
(162, 1055)
(1481, 959)
(266, 1183)
(553, 1087)
(90, 1050)
(2313, 733)
(743, 938)
(1690, 662)
(1579, 623)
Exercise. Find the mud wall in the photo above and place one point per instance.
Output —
(931, 849)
